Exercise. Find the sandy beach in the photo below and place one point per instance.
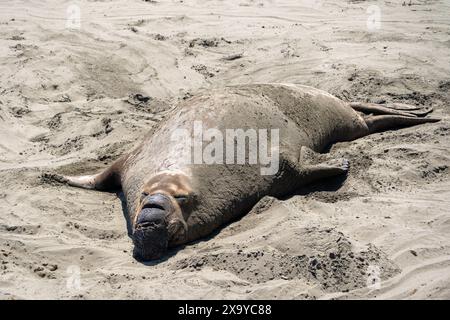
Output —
(70, 75)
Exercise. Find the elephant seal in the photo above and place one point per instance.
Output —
(171, 201)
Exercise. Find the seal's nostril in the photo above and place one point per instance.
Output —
(151, 217)
(157, 200)
(153, 205)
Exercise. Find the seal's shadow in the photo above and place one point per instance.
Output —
(327, 184)
(123, 203)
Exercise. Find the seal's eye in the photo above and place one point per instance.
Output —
(144, 195)
(181, 198)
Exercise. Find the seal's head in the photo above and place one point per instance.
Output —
(160, 220)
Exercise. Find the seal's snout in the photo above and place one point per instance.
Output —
(158, 225)
(151, 234)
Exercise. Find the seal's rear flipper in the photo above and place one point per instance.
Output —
(417, 111)
(382, 123)
(398, 109)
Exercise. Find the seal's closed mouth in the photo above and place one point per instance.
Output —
(145, 226)
(150, 241)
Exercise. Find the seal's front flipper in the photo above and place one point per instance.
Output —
(325, 170)
(109, 179)
(311, 166)
(85, 182)
(94, 182)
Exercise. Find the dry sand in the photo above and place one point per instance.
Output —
(63, 108)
